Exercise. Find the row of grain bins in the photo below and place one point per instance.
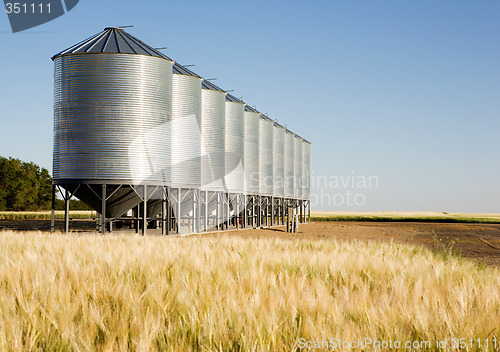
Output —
(139, 136)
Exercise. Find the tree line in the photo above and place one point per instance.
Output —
(25, 186)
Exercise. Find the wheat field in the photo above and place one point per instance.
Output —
(408, 216)
(230, 293)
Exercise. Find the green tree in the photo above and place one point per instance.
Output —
(24, 186)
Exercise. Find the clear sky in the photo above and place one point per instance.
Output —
(406, 92)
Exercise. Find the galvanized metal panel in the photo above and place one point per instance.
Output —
(306, 169)
(186, 131)
(289, 163)
(297, 167)
(266, 145)
(111, 117)
(213, 118)
(235, 146)
(279, 160)
(251, 153)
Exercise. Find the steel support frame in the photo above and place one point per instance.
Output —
(239, 210)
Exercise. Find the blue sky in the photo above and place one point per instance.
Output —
(407, 91)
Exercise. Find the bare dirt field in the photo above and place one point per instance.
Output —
(477, 241)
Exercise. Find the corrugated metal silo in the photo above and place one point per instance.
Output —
(266, 145)
(306, 170)
(112, 112)
(213, 119)
(234, 144)
(297, 167)
(289, 163)
(251, 165)
(279, 160)
(186, 128)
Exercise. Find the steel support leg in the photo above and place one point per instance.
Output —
(137, 216)
(198, 211)
(272, 211)
(193, 218)
(66, 212)
(309, 210)
(228, 210)
(52, 214)
(282, 210)
(222, 211)
(217, 211)
(287, 220)
(299, 212)
(163, 210)
(178, 216)
(244, 209)
(252, 212)
(145, 211)
(258, 214)
(259, 211)
(205, 213)
(103, 209)
(237, 211)
(225, 215)
(169, 213)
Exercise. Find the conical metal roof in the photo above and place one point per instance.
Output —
(210, 86)
(250, 109)
(232, 98)
(265, 117)
(277, 124)
(181, 70)
(112, 40)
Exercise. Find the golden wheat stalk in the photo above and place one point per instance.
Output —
(204, 293)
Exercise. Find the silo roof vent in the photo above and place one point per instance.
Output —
(112, 40)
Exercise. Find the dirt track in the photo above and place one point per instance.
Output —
(478, 241)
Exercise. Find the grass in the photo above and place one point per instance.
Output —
(45, 215)
(408, 217)
(207, 293)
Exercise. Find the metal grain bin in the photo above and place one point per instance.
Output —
(297, 167)
(234, 144)
(112, 110)
(266, 145)
(251, 154)
(289, 163)
(306, 169)
(186, 128)
(213, 119)
(279, 160)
